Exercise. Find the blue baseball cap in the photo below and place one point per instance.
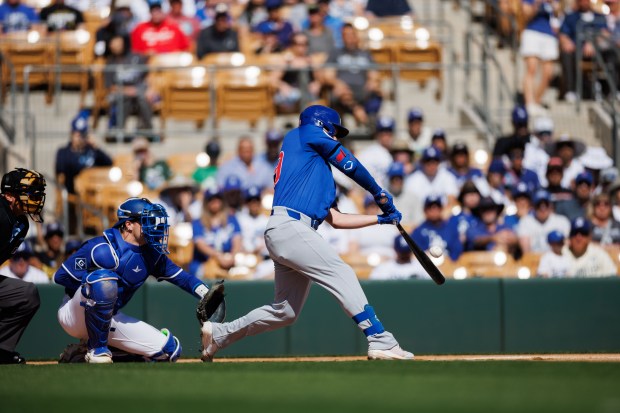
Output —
(497, 166)
(232, 183)
(584, 177)
(580, 225)
(385, 124)
(433, 199)
(273, 4)
(54, 228)
(519, 115)
(400, 245)
(555, 237)
(542, 196)
(521, 190)
(431, 154)
(80, 122)
(415, 114)
(252, 192)
(273, 136)
(439, 134)
(396, 169)
(212, 192)
(266, 27)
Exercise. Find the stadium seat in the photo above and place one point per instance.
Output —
(182, 163)
(488, 264)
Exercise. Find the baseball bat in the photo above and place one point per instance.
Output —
(426, 262)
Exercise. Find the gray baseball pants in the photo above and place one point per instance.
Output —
(301, 256)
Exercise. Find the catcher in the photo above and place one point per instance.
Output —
(103, 274)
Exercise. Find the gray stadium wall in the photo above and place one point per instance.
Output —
(469, 316)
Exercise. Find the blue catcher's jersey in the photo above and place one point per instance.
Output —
(303, 178)
(132, 263)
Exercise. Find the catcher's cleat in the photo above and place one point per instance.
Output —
(209, 346)
(11, 357)
(99, 355)
(395, 353)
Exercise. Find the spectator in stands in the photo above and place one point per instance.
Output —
(246, 167)
(435, 231)
(331, 23)
(125, 78)
(347, 10)
(277, 25)
(356, 87)
(402, 152)
(377, 157)
(459, 164)
(553, 263)
(17, 17)
(583, 20)
(19, 267)
(377, 240)
(535, 157)
(50, 256)
(439, 141)
(320, 37)
(206, 176)
(189, 25)
(296, 14)
(469, 198)
(253, 13)
(403, 266)
(59, 17)
(217, 235)
(159, 34)
(232, 193)
(273, 143)
(388, 8)
(253, 223)
(584, 258)
(178, 196)
(152, 172)
(554, 174)
(430, 179)
(595, 160)
(607, 177)
(522, 199)
(578, 204)
(120, 23)
(520, 135)
(605, 229)
(488, 234)
(269, 43)
(81, 152)
(220, 37)
(396, 174)
(495, 181)
(533, 229)
(568, 150)
(539, 48)
(297, 83)
(418, 135)
(517, 173)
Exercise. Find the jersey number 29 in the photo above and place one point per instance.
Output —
(276, 174)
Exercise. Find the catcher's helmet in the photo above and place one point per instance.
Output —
(325, 118)
(152, 217)
(28, 187)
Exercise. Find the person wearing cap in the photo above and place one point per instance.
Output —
(356, 89)
(50, 255)
(568, 150)
(232, 194)
(522, 201)
(81, 152)
(22, 194)
(121, 22)
(220, 37)
(216, 235)
(205, 176)
(594, 160)
(320, 36)
(553, 177)
(517, 172)
(533, 229)
(159, 34)
(585, 259)
(178, 197)
(246, 167)
(275, 24)
(460, 166)
(489, 234)
(553, 263)
(435, 231)
(396, 175)
(189, 25)
(18, 17)
(152, 172)
(438, 140)
(19, 267)
(404, 266)
(377, 157)
(605, 229)
(494, 184)
(253, 223)
(520, 135)
(430, 179)
(607, 177)
(579, 203)
(273, 144)
(60, 16)
(418, 135)
(535, 157)
(402, 152)
(463, 218)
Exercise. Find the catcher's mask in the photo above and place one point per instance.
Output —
(152, 217)
(28, 187)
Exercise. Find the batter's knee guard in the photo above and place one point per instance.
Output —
(101, 292)
(369, 323)
(171, 350)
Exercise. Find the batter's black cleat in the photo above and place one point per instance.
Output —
(11, 357)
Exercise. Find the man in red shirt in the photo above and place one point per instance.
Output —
(158, 35)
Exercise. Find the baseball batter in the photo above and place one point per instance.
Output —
(304, 197)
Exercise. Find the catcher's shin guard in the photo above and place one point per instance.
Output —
(171, 350)
(101, 292)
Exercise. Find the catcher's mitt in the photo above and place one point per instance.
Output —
(212, 307)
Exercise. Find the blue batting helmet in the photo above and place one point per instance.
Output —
(152, 217)
(323, 117)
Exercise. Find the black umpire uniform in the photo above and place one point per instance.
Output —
(19, 300)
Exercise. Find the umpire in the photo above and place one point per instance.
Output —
(22, 193)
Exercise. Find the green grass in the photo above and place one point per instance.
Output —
(493, 386)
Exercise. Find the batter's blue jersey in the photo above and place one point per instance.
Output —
(303, 178)
(132, 263)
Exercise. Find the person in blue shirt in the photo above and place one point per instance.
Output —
(522, 198)
(101, 277)
(517, 173)
(217, 235)
(246, 167)
(304, 197)
(435, 231)
(275, 24)
(459, 164)
(468, 199)
(489, 234)
(17, 17)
